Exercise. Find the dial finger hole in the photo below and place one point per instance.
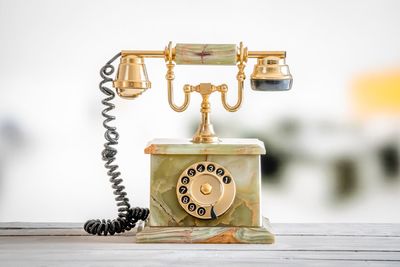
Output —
(185, 199)
(200, 168)
(201, 211)
(226, 179)
(220, 171)
(185, 180)
(191, 172)
(192, 207)
(183, 189)
(210, 167)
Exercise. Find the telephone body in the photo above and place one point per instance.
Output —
(205, 189)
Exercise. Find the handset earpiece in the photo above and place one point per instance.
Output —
(271, 74)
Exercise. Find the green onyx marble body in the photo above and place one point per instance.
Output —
(170, 157)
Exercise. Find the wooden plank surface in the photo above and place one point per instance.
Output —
(65, 244)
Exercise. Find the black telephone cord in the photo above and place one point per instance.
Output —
(127, 216)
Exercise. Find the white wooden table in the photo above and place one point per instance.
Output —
(65, 244)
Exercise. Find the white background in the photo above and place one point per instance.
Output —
(51, 52)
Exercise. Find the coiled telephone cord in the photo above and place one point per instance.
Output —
(127, 216)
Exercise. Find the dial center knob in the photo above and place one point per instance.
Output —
(206, 189)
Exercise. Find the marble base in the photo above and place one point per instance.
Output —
(170, 157)
(211, 235)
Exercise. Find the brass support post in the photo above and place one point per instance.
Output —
(205, 132)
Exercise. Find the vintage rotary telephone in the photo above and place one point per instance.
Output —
(203, 190)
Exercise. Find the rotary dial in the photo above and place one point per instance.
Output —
(206, 190)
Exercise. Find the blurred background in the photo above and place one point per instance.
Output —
(333, 141)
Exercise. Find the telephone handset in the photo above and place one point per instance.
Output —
(203, 190)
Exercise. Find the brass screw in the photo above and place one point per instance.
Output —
(206, 189)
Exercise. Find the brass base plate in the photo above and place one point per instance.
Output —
(216, 235)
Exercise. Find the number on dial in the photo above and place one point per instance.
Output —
(200, 168)
(183, 189)
(201, 211)
(220, 171)
(185, 180)
(185, 199)
(191, 172)
(192, 206)
(210, 168)
(226, 179)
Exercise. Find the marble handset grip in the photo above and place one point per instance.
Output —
(205, 54)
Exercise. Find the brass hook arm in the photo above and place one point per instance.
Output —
(170, 76)
(224, 89)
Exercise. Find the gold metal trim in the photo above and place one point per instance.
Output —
(144, 53)
(271, 67)
(142, 85)
(262, 54)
